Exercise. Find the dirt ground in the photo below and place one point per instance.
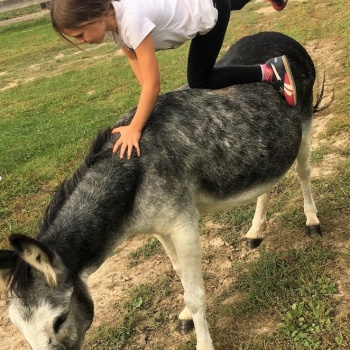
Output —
(115, 276)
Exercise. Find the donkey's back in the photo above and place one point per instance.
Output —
(221, 148)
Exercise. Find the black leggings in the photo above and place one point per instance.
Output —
(238, 4)
(204, 50)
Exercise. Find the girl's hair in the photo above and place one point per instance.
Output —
(69, 14)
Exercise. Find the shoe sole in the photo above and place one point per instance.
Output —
(289, 72)
(278, 8)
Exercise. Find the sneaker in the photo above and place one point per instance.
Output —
(277, 72)
(278, 5)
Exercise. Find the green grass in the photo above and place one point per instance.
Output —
(20, 12)
(60, 99)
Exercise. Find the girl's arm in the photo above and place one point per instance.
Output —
(132, 58)
(143, 62)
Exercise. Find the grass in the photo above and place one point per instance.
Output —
(294, 284)
(136, 316)
(150, 248)
(290, 295)
(19, 12)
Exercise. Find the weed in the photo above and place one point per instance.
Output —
(304, 322)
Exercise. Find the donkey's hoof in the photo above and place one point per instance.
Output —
(186, 326)
(313, 231)
(253, 243)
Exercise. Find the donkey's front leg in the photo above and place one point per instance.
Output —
(186, 324)
(188, 250)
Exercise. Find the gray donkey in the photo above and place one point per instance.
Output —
(202, 151)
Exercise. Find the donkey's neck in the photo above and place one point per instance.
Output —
(95, 217)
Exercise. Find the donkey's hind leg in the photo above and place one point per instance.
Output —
(302, 167)
(186, 324)
(254, 235)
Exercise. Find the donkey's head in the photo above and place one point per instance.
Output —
(51, 306)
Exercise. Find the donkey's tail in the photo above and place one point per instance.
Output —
(320, 96)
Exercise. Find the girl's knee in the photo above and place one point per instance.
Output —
(196, 84)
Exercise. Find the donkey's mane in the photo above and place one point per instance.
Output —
(97, 152)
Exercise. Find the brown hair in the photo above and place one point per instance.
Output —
(68, 14)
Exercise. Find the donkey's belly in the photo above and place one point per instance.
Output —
(208, 204)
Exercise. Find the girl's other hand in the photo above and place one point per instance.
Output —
(129, 138)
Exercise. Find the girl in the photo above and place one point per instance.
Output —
(142, 27)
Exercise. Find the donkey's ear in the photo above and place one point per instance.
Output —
(8, 261)
(38, 255)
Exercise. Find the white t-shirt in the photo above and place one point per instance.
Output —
(170, 22)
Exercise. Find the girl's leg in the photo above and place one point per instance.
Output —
(204, 50)
(278, 5)
(238, 4)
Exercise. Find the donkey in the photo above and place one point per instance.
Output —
(202, 151)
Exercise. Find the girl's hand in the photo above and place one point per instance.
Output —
(129, 138)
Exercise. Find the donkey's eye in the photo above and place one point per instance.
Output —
(59, 322)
